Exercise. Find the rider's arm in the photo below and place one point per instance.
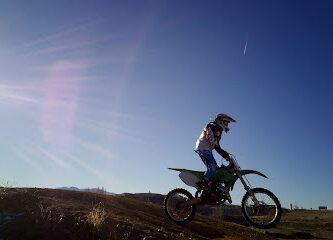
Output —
(223, 153)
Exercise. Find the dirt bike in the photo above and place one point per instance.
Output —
(260, 207)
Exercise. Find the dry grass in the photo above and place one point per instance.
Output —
(305, 224)
(97, 216)
(48, 214)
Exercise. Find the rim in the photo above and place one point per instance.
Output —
(175, 210)
(265, 213)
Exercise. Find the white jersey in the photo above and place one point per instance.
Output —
(209, 138)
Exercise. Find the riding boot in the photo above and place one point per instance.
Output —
(206, 186)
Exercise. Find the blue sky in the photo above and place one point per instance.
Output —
(114, 93)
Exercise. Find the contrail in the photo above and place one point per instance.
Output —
(245, 47)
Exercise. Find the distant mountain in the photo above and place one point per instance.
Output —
(95, 190)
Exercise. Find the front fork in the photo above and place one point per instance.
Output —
(248, 189)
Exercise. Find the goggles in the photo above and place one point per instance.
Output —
(225, 122)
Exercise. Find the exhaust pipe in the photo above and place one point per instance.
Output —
(193, 201)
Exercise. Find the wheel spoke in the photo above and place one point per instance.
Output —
(263, 214)
(175, 208)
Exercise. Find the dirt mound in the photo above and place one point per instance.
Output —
(60, 214)
(146, 197)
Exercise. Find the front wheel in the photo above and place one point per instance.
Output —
(264, 215)
(175, 209)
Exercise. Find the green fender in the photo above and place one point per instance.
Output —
(232, 181)
(244, 172)
(197, 173)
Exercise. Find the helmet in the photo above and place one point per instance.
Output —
(223, 120)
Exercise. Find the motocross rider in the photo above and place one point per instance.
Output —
(209, 140)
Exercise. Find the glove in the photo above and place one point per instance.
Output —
(228, 158)
(230, 167)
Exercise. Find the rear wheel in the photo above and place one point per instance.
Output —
(175, 210)
(265, 215)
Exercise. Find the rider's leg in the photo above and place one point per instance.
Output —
(207, 182)
(209, 160)
(209, 176)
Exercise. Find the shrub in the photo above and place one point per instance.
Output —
(96, 216)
